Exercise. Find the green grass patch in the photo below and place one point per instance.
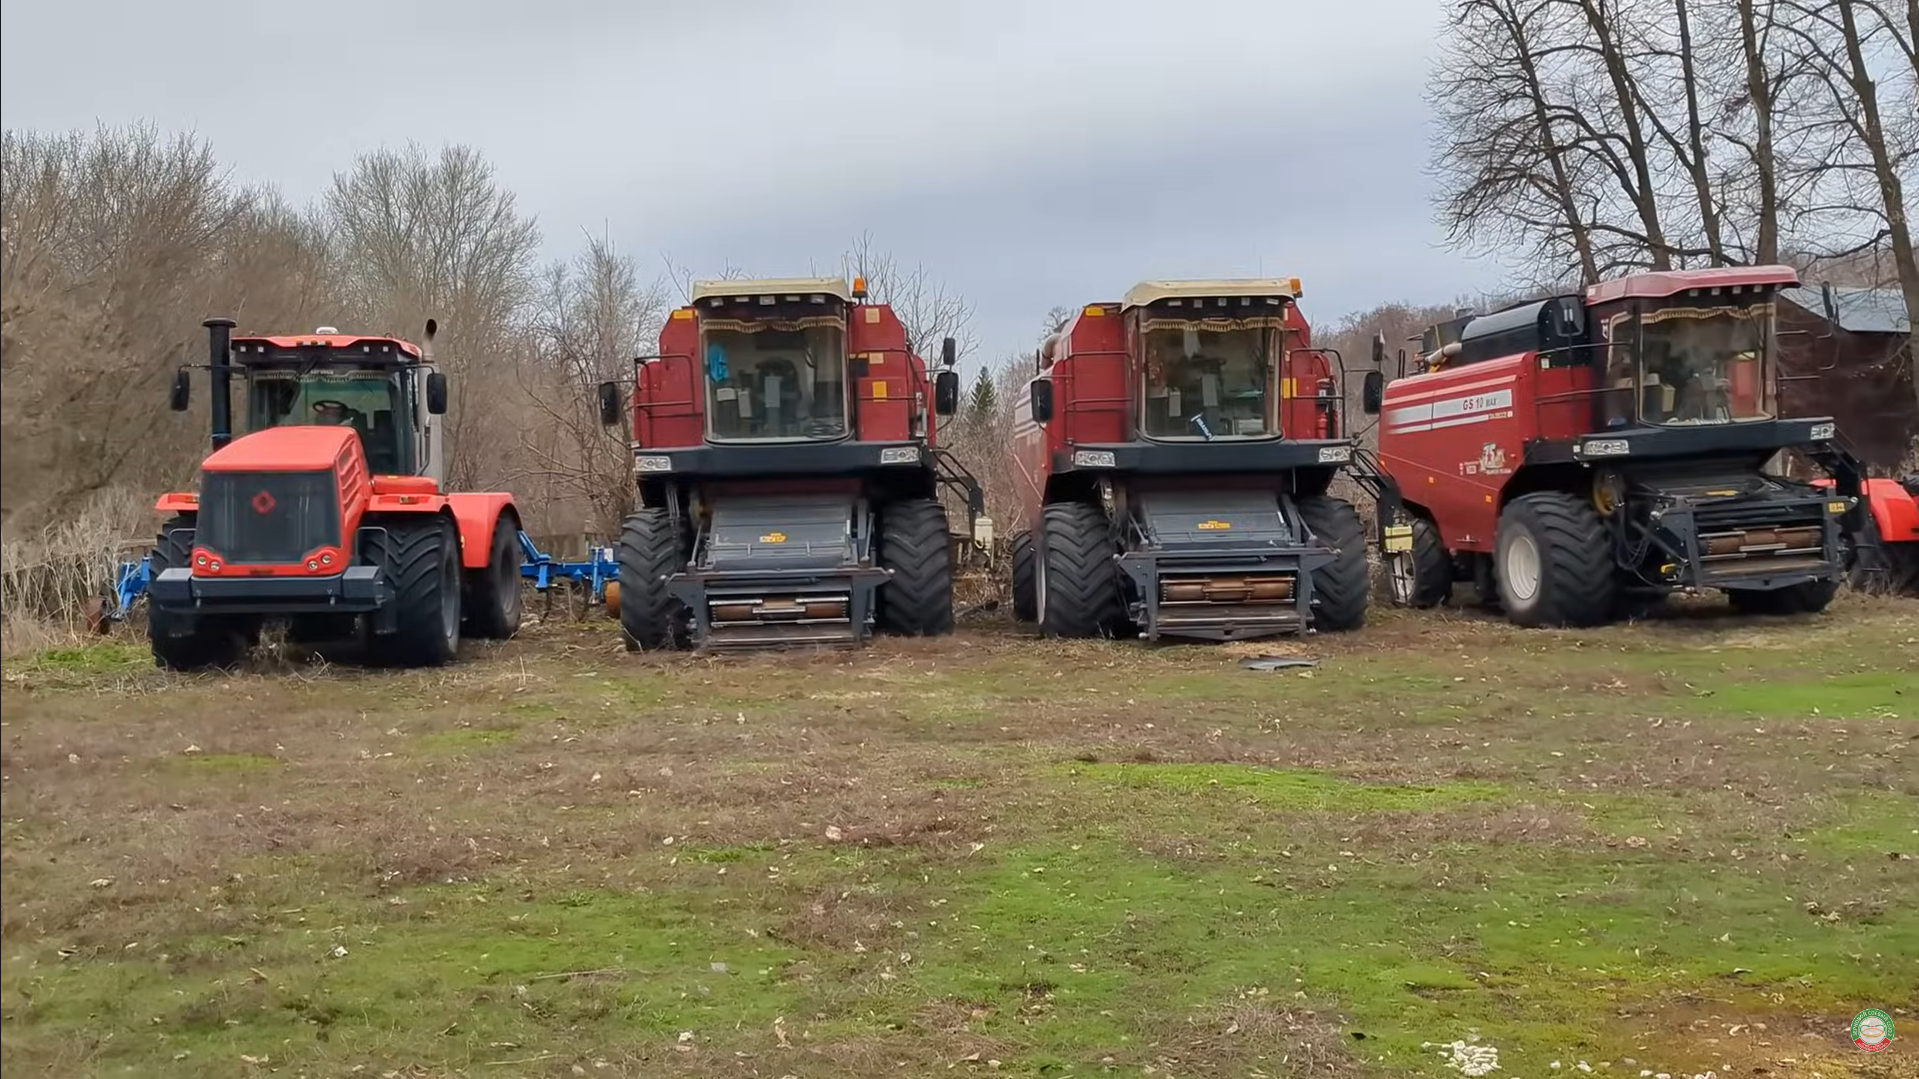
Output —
(1884, 694)
(222, 763)
(1300, 789)
(91, 660)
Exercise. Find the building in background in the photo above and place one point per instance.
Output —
(1854, 365)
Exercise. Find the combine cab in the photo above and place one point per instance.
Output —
(1175, 458)
(784, 445)
(329, 514)
(1581, 457)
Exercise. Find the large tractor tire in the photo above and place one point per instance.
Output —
(1554, 562)
(1025, 599)
(915, 546)
(650, 618)
(494, 596)
(422, 564)
(1077, 585)
(186, 642)
(1809, 597)
(1341, 586)
(1423, 576)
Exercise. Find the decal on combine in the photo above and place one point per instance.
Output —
(773, 537)
(1457, 411)
(1214, 526)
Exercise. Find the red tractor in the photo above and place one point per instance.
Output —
(1583, 456)
(789, 478)
(329, 514)
(1175, 460)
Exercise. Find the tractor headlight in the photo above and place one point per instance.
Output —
(900, 455)
(1335, 455)
(1093, 459)
(1822, 432)
(653, 464)
(1605, 447)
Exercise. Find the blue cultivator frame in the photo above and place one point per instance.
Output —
(599, 569)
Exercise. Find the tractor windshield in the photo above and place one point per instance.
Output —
(775, 379)
(1208, 378)
(1700, 365)
(374, 403)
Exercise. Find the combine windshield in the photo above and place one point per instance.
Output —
(1208, 378)
(373, 403)
(1701, 365)
(775, 380)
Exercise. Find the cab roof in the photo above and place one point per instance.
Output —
(1659, 284)
(340, 341)
(774, 286)
(1147, 292)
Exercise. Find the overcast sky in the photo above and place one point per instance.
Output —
(1030, 154)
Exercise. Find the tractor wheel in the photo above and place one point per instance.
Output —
(1423, 576)
(422, 561)
(1339, 588)
(1025, 601)
(915, 545)
(186, 642)
(1808, 597)
(494, 595)
(1554, 562)
(650, 618)
(1076, 588)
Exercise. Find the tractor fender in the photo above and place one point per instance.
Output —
(178, 502)
(1894, 510)
(477, 512)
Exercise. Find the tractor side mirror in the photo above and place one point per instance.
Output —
(1831, 305)
(609, 404)
(435, 394)
(182, 391)
(1040, 394)
(946, 392)
(1372, 392)
(1402, 363)
(949, 353)
(1571, 319)
(1379, 351)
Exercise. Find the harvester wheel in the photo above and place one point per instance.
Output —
(1025, 599)
(494, 594)
(914, 544)
(184, 642)
(650, 618)
(1554, 562)
(422, 560)
(1076, 587)
(1808, 597)
(1341, 586)
(1423, 576)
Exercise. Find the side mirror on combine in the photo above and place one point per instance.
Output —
(946, 391)
(1572, 318)
(182, 391)
(609, 404)
(1379, 351)
(1041, 395)
(1372, 392)
(436, 394)
(949, 352)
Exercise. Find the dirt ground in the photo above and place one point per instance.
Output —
(1669, 848)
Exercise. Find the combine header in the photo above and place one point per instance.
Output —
(785, 453)
(1175, 457)
(1581, 457)
(329, 514)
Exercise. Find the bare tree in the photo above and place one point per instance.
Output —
(924, 304)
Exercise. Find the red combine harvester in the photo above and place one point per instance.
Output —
(329, 514)
(788, 473)
(1175, 458)
(1580, 457)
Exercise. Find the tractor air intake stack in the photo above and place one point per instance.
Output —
(220, 378)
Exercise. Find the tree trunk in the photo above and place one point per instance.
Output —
(1759, 90)
(1644, 197)
(1696, 141)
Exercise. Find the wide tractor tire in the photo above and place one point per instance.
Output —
(1025, 596)
(1554, 562)
(650, 618)
(915, 545)
(1423, 576)
(1339, 588)
(422, 564)
(494, 596)
(1077, 585)
(186, 642)
(1807, 597)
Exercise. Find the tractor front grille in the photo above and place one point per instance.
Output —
(268, 518)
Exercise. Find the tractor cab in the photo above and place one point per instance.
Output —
(1700, 356)
(386, 389)
(1208, 362)
(773, 360)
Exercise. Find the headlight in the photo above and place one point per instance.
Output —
(900, 455)
(1335, 455)
(1821, 432)
(1093, 459)
(653, 464)
(1605, 447)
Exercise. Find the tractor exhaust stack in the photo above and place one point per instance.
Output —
(220, 378)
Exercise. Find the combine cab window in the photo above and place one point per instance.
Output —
(775, 380)
(1697, 365)
(371, 402)
(1209, 378)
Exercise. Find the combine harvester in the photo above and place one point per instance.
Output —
(1176, 457)
(328, 514)
(1581, 457)
(785, 454)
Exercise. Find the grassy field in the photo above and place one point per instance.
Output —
(1666, 848)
